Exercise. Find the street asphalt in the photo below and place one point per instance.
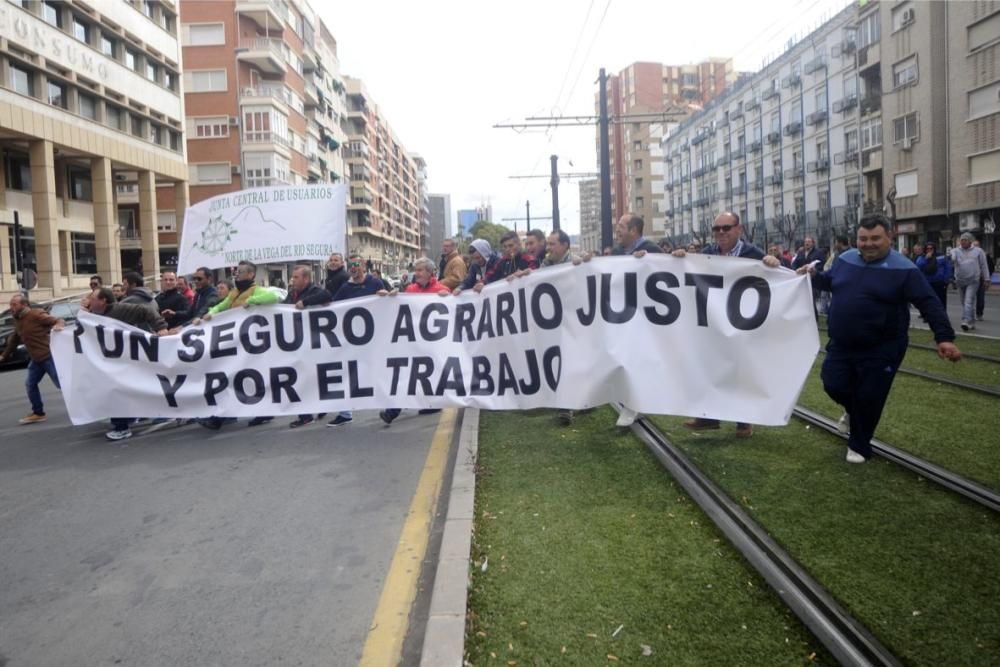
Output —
(246, 546)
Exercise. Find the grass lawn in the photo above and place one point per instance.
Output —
(579, 531)
(914, 563)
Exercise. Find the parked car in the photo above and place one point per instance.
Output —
(65, 309)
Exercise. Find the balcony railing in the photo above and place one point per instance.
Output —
(264, 137)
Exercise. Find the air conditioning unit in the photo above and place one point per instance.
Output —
(907, 143)
(908, 16)
(234, 121)
(236, 170)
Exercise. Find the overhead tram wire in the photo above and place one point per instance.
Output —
(576, 47)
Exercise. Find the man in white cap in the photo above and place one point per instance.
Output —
(971, 271)
(484, 267)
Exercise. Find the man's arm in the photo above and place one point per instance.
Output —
(316, 297)
(917, 291)
(13, 340)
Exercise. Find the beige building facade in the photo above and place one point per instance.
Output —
(91, 132)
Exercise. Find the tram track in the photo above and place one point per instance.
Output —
(846, 639)
(974, 491)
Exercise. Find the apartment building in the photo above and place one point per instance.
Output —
(652, 88)
(91, 133)
(384, 211)
(799, 147)
(424, 215)
(439, 222)
(590, 215)
(265, 100)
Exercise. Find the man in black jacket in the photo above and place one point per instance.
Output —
(628, 236)
(172, 304)
(809, 253)
(336, 274)
(205, 294)
(303, 293)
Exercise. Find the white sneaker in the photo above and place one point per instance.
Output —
(118, 435)
(844, 423)
(626, 417)
(965, 326)
(854, 457)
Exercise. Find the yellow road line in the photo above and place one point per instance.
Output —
(384, 645)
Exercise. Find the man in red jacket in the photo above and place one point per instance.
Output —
(424, 282)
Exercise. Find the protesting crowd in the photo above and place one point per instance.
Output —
(866, 292)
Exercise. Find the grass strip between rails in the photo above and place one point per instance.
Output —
(914, 563)
(579, 530)
(950, 426)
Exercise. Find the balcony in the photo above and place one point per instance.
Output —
(751, 105)
(769, 93)
(755, 146)
(268, 14)
(869, 56)
(846, 157)
(357, 151)
(312, 97)
(263, 53)
(773, 137)
(739, 191)
(816, 117)
(845, 48)
(816, 166)
(845, 104)
(871, 104)
(793, 128)
(791, 81)
(816, 64)
(871, 160)
(266, 139)
(702, 201)
(795, 173)
(360, 173)
(734, 115)
(773, 179)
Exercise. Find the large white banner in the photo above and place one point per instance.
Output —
(701, 336)
(279, 224)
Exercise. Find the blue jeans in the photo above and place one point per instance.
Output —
(36, 371)
(968, 294)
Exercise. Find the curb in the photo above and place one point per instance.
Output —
(444, 637)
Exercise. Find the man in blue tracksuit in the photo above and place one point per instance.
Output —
(868, 322)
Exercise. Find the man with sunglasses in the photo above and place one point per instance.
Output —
(728, 234)
(96, 282)
(205, 294)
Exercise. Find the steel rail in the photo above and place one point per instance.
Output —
(972, 490)
(845, 638)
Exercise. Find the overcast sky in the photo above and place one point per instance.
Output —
(443, 72)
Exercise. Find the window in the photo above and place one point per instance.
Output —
(905, 128)
(81, 30)
(906, 184)
(821, 99)
(776, 122)
(113, 117)
(638, 165)
(175, 140)
(904, 72)
(131, 60)
(84, 253)
(216, 126)
(206, 81)
(57, 94)
(107, 46)
(80, 187)
(88, 106)
(639, 204)
(637, 145)
(17, 172)
(871, 133)
(52, 14)
(155, 133)
(822, 150)
(135, 122)
(869, 30)
(204, 34)
(851, 141)
(210, 173)
(638, 183)
(985, 32)
(984, 168)
(166, 221)
(985, 101)
(22, 80)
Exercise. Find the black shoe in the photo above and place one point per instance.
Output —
(429, 411)
(565, 417)
(257, 421)
(339, 419)
(213, 423)
(386, 416)
(301, 421)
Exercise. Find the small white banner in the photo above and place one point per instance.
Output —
(701, 336)
(264, 225)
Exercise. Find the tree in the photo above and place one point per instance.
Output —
(484, 229)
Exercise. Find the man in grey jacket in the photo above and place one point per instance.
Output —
(971, 271)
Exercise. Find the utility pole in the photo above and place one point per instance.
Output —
(554, 182)
(527, 214)
(607, 235)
